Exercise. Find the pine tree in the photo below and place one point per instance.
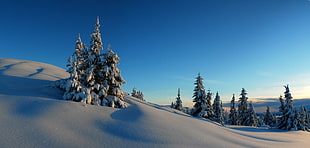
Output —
(288, 114)
(252, 117)
(140, 95)
(275, 120)
(209, 109)
(282, 106)
(172, 104)
(242, 108)
(303, 119)
(307, 118)
(95, 89)
(113, 79)
(96, 42)
(218, 110)
(260, 120)
(268, 118)
(134, 92)
(178, 102)
(233, 112)
(199, 98)
(72, 85)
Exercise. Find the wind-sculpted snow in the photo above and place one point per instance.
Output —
(32, 114)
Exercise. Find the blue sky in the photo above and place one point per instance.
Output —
(258, 45)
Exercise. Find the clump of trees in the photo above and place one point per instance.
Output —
(244, 115)
(203, 106)
(291, 118)
(94, 76)
(137, 94)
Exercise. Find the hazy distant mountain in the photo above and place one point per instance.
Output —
(261, 104)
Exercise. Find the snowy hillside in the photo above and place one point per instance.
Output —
(32, 114)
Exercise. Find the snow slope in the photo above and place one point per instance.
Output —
(32, 114)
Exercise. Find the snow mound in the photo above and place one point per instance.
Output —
(32, 115)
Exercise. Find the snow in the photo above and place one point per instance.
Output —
(33, 114)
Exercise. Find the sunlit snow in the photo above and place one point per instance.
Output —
(33, 114)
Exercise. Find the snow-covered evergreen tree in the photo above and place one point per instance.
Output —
(269, 118)
(73, 86)
(209, 109)
(178, 103)
(288, 114)
(306, 116)
(95, 89)
(297, 121)
(140, 95)
(275, 120)
(134, 92)
(302, 119)
(199, 96)
(251, 119)
(260, 119)
(233, 112)
(218, 110)
(242, 108)
(113, 79)
(137, 94)
(94, 77)
(282, 105)
(172, 104)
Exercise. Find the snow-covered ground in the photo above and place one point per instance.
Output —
(32, 114)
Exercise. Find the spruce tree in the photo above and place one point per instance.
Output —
(72, 85)
(178, 103)
(199, 98)
(218, 110)
(113, 79)
(260, 119)
(233, 112)
(269, 118)
(95, 89)
(297, 125)
(251, 119)
(306, 116)
(172, 104)
(242, 108)
(303, 119)
(209, 109)
(288, 114)
(282, 104)
(140, 95)
(134, 92)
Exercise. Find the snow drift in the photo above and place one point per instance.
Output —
(32, 114)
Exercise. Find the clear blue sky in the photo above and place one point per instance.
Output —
(163, 44)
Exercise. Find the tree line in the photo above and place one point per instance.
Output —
(289, 117)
